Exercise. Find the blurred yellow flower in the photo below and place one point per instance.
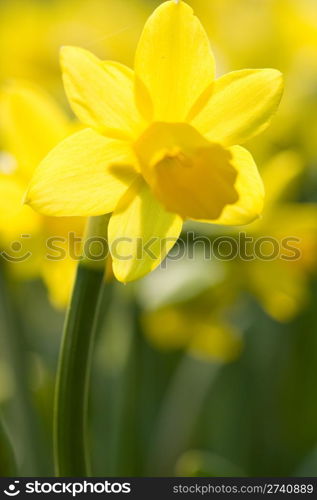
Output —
(161, 143)
(32, 32)
(207, 336)
(281, 284)
(32, 124)
(281, 33)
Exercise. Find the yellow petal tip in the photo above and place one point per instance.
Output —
(69, 51)
(26, 199)
(65, 48)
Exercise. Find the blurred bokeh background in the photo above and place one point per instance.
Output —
(208, 366)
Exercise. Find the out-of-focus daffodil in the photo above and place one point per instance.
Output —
(207, 336)
(32, 32)
(281, 283)
(283, 34)
(32, 123)
(161, 143)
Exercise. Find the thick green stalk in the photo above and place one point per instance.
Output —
(71, 400)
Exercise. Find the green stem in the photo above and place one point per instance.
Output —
(71, 399)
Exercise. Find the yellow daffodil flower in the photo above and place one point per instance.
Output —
(161, 143)
(32, 124)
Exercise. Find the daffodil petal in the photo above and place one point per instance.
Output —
(281, 289)
(249, 187)
(280, 176)
(32, 124)
(240, 105)
(100, 92)
(174, 60)
(84, 175)
(140, 233)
